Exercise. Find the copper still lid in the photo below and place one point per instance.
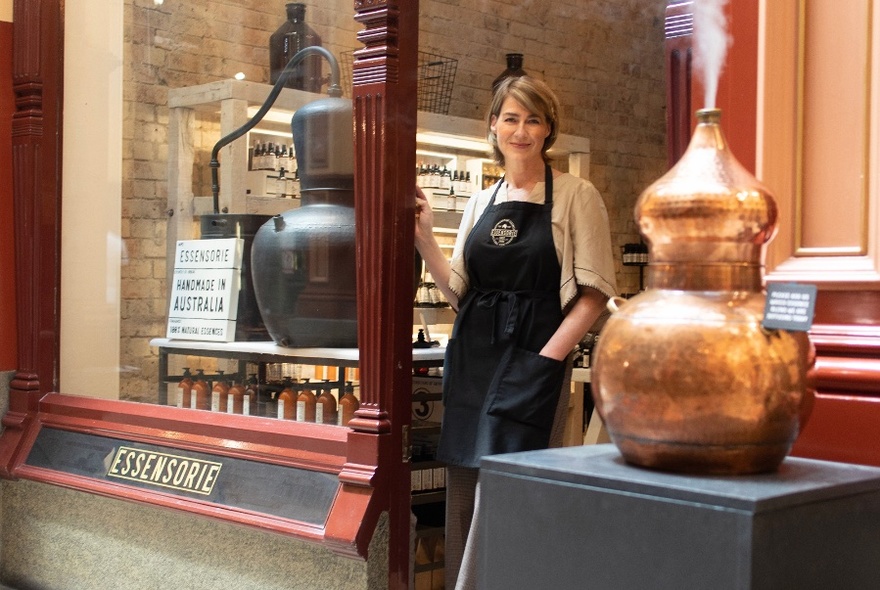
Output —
(709, 214)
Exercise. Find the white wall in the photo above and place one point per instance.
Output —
(91, 209)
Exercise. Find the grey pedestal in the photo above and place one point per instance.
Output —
(579, 517)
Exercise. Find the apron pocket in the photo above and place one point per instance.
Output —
(526, 388)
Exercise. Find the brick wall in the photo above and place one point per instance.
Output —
(603, 57)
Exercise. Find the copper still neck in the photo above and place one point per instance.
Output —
(708, 219)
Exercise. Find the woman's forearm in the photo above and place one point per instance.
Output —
(429, 249)
(438, 266)
(584, 312)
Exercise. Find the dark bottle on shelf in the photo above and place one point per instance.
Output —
(286, 42)
(514, 70)
(184, 388)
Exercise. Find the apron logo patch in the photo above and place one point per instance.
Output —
(504, 232)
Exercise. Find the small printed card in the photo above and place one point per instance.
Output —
(204, 290)
(790, 306)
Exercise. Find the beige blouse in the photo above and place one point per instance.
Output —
(581, 234)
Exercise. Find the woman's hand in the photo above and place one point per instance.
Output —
(424, 219)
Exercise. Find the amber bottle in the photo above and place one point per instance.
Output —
(325, 410)
(184, 389)
(286, 401)
(235, 400)
(219, 393)
(348, 405)
(287, 41)
(306, 404)
(514, 69)
(201, 394)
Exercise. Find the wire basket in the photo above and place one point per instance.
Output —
(436, 77)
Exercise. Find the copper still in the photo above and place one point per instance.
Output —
(684, 375)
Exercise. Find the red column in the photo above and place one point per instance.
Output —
(9, 347)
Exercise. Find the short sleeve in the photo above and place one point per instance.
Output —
(587, 257)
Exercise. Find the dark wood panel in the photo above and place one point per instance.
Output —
(36, 158)
(841, 428)
(859, 308)
(9, 349)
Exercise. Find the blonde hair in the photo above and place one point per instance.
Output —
(536, 97)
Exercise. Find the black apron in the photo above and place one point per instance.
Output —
(499, 394)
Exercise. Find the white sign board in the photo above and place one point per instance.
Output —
(204, 290)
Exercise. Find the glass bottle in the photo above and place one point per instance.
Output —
(201, 394)
(235, 399)
(514, 70)
(306, 404)
(219, 393)
(184, 389)
(286, 42)
(325, 409)
(348, 405)
(286, 401)
(251, 391)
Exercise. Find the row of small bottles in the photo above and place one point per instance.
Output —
(297, 401)
(433, 176)
(271, 156)
(428, 294)
(284, 185)
(634, 254)
(287, 400)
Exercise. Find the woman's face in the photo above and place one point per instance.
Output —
(520, 133)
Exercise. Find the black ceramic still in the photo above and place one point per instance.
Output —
(303, 261)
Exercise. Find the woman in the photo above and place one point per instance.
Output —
(531, 272)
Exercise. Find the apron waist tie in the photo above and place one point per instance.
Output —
(490, 299)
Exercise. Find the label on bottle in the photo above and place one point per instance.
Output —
(319, 413)
(179, 398)
(193, 399)
(246, 405)
(300, 411)
(439, 477)
(280, 409)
